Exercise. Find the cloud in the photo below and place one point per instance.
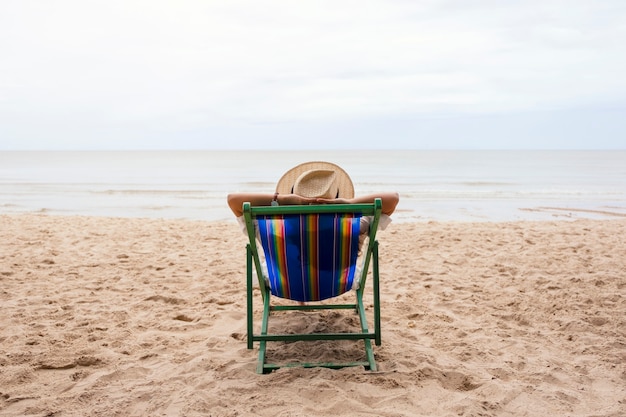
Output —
(78, 72)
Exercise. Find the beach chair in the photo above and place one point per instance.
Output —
(311, 254)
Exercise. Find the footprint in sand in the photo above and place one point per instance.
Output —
(183, 317)
(450, 380)
(169, 300)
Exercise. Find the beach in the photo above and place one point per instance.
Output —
(111, 316)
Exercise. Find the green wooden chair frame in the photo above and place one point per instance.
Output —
(369, 256)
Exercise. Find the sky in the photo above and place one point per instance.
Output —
(388, 74)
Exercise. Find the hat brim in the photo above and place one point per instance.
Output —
(344, 183)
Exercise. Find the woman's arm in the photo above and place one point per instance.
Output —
(390, 201)
(236, 200)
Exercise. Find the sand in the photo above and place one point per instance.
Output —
(138, 317)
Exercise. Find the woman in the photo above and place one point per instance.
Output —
(315, 182)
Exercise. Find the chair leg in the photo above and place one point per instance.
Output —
(249, 310)
(376, 290)
(263, 344)
(369, 352)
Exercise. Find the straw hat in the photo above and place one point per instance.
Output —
(316, 179)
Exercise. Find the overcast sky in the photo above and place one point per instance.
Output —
(183, 74)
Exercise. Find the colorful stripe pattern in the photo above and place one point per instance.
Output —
(310, 257)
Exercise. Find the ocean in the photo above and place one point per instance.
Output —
(433, 185)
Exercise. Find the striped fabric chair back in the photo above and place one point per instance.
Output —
(310, 257)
